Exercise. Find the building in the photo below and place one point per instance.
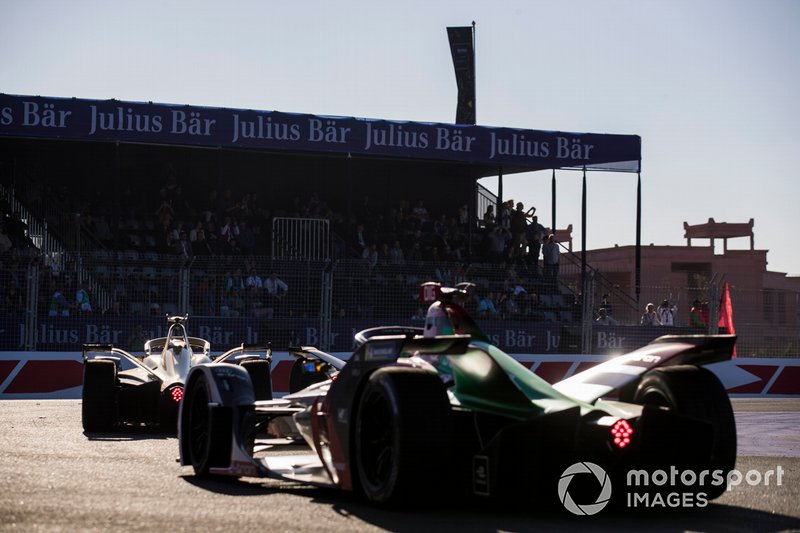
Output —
(765, 303)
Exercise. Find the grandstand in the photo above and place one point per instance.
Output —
(150, 216)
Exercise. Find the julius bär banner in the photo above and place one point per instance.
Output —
(113, 120)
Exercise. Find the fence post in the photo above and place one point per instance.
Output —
(326, 307)
(183, 289)
(587, 315)
(713, 308)
(31, 306)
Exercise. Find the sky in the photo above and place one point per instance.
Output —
(711, 87)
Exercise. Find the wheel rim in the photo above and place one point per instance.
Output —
(198, 423)
(377, 439)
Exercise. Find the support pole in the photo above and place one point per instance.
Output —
(583, 232)
(499, 195)
(553, 199)
(638, 281)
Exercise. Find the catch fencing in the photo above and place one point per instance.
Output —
(235, 299)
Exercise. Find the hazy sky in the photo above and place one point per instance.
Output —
(711, 86)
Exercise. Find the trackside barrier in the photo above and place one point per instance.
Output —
(59, 375)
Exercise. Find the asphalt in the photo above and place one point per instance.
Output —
(53, 477)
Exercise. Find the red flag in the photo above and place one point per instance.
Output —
(726, 313)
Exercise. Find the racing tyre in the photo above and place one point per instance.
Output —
(198, 427)
(695, 392)
(98, 405)
(259, 372)
(402, 437)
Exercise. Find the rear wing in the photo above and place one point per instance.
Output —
(247, 351)
(389, 348)
(669, 350)
(195, 343)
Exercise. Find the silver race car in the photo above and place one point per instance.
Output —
(124, 391)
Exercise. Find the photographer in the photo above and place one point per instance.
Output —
(666, 313)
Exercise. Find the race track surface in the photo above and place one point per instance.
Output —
(53, 477)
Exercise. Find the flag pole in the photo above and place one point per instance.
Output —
(474, 75)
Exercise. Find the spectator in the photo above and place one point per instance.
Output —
(137, 339)
(698, 315)
(195, 231)
(201, 246)
(370, 256)
(360, 240)
(13, 301)
(59, 306)
(184, 247)
(396, 254)
(650, 317)
(463, 216)
(415, 252)
(235, 281)
(604, 319)
(229, 230)
(550, 258)
(5, 242)
(505, 214)
(82, 299)
(510, 304)
(233, 304)
(488, 217)
(497, 240)
(535, 234)
(420, 212)
(666, 313)
(254, 280)
(486, 306)
(606, 304)
(276, 288)
(518, 225)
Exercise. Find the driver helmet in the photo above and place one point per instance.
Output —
(437, 321)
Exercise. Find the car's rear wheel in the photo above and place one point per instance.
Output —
(695, 392)
(259, 372)
(98, 406)
(402, 436)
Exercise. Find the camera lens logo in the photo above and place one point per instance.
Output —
(590, 508)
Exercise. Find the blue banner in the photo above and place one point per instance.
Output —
(113, 120)
(70, 333)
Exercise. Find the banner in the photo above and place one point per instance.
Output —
(70, 333)
(113, 120)
(463, 52)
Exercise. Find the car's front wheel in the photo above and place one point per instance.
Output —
(197, 427)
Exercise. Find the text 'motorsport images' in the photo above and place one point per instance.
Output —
(423, 413)
(122, 391)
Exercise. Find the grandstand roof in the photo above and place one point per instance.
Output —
(476, 151)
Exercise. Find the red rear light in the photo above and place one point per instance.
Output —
(621, 431)
(176, 394)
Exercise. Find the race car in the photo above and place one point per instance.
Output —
(123, 391)
(420, 414)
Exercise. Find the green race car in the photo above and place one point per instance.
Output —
(420, 414)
